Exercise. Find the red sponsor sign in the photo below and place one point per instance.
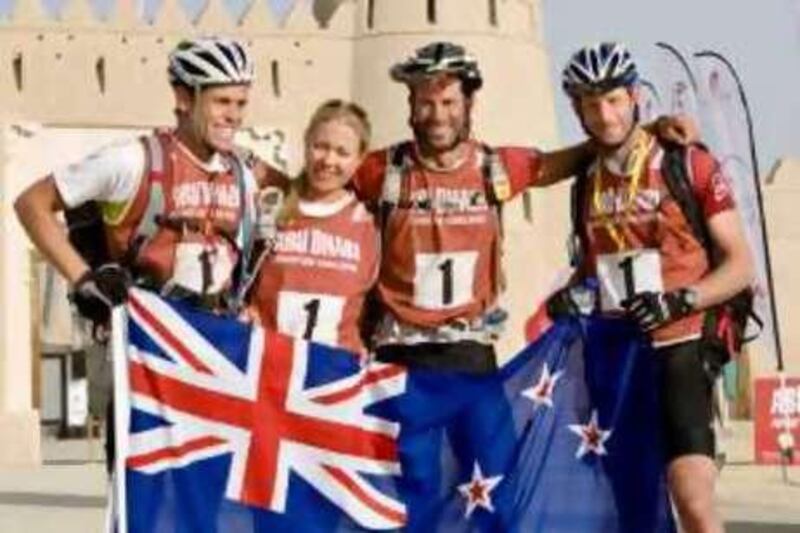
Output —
(776, 409)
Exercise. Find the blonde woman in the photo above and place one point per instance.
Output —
(324, 257)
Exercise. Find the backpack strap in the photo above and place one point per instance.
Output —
(153, 183)
(497, 188)
(578, 241)
(676, 170)
(395, 170)
(247, 185)
(495, 175)
(396, 167)
(495, 180)
(154, 180)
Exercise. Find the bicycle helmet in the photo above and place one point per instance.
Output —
(440, 58)
(598, 69)
(203, 62)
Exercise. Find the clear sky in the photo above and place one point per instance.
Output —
(761, 38)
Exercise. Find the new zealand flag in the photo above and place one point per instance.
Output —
(233, 429)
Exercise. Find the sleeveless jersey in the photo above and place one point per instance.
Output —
(639, 239)
(194, 240)
(314, 282)
(441, 240)
(440, 246)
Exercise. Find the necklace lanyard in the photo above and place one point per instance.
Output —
(636, 168)
(212, 210)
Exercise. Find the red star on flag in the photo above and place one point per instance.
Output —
(593, 437)
(478, 491)
(542, 392)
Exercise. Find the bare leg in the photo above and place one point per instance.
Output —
(691, 484)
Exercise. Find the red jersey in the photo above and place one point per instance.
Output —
(442, 235)
(199, 213)
(314, 282)
(639, 239)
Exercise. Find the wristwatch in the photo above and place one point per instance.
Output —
(688, 298)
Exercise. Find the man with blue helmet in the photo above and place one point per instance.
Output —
(638, 236)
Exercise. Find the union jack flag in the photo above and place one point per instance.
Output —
(253, 396)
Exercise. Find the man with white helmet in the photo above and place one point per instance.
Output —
(657, 228)
(170, 211)
(174, 204)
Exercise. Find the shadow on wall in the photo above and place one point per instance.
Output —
(323, 10)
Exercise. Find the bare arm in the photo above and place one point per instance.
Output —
(36, 209)
(735, 272)
(564, 163)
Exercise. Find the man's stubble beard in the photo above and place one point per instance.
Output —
(428, 148)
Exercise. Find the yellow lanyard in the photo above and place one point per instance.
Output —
(636, 167)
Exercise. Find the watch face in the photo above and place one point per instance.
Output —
(690, 297)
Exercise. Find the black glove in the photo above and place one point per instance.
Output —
(97, 291)
(651, 310)
(572, 300)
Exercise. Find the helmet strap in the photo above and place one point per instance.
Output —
(192, 125)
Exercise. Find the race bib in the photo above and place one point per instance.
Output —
(309, 316)
(624, 274)
(202, 267)
(445, 280)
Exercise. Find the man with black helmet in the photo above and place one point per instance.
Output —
(438, 199)
(637, 238)
(175, 205)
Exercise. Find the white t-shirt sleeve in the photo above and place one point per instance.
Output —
(110, 175)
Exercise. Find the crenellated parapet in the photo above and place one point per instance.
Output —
(501, 18)
(171, 17)
(76, 69)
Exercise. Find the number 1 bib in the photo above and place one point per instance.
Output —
(624, 274)
(444, 280)
(310, 316)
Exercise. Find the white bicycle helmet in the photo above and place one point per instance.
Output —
(203, 62)
(438, 58)
(599, 68)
